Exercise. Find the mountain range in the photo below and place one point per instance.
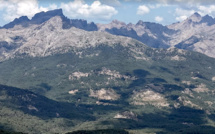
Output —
(196, 33)
(60, 75)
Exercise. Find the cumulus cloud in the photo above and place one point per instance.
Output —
(181, 18)
(53, 6)
(143, 10)
(96, 10)
(207, 10)
(183, 2)
(154, 6)
(158, 19)
(111, 2)
(182, 14)
(75, 9)
(16, 8)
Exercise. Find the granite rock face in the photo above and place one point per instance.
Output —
(196, 33)
(42, 17)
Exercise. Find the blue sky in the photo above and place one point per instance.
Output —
(104, 11)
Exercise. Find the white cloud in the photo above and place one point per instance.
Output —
(16, 8)
(3, 4)
(143, 10)
(186, 12)
(182, 14)
(76, 9)
(181, 18)
(154, 6)
(111, 2)
(182, 2)
(53, 6)
(79, 9)
(158, 19)
(207, 10)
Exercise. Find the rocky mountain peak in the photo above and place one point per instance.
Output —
(23, 20)
(140, 22)
(54, 23)
(190, 22)
(44, 16)
(114, 24)
(196, 17)
(83, 24)
(117, 22)
(38, 18)
(208, 19)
